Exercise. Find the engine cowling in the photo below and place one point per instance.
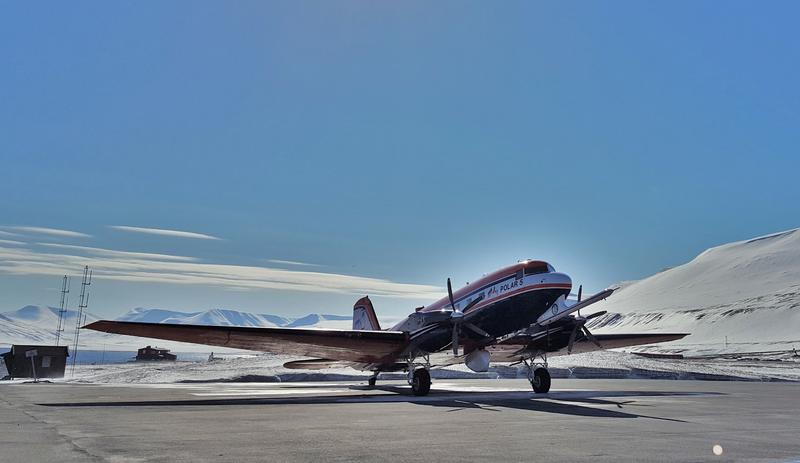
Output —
(478, 361)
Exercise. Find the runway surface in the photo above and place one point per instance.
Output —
(464, 420)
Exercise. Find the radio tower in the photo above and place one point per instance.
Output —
(63, 308)
(84, 302)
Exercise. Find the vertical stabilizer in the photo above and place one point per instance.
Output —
(364, 316)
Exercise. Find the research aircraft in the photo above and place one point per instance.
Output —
(518, 314)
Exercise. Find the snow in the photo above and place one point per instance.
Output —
(738, 297)
(37, 325)
(227, 317)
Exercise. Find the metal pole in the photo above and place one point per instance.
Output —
(82, 305)
(62, 308)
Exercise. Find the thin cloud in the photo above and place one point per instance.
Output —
(115, 253)
(5, 233)
(165, 232)
(50, 231)
(11, 242)
(292, 262)
(154, 268)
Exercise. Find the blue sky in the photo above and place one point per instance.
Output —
(389, 144)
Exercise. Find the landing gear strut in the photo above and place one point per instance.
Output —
(538, 375)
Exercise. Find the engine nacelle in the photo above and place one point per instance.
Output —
(478, 361)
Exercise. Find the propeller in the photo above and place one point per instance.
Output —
(457, 318)
(580, 325)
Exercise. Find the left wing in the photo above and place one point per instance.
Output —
(346, 345)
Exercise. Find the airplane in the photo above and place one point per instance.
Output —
(518, 314)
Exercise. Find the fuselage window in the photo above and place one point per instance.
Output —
(536, 270)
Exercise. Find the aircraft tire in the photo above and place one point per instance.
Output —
(540, 381)
(371, 382)
(421, 382)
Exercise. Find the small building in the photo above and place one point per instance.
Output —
(48, 361)
(155, 353)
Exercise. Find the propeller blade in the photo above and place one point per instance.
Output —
(590, 336)
(580, 292)
(572, 336)
(455, 339)
(477, 330)
(450, 295)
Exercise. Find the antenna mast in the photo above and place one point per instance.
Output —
(63, 308)
(84, 302)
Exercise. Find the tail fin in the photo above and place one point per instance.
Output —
(364, 316)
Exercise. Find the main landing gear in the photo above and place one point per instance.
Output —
(419, 376)
(538, 375)
(420, 381)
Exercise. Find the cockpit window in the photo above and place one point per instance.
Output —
(536, 269)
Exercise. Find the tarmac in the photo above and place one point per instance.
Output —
(461, 420)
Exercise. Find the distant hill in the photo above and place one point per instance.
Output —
(748, 291)
(37, 324)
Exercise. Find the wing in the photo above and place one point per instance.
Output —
(513, 349)
(346, 345)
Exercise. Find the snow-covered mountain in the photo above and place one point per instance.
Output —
(36, 324)
(227, 317)
(747, 291)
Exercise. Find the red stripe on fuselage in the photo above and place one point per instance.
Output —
(494, 277)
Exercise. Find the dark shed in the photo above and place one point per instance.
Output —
(50, 361)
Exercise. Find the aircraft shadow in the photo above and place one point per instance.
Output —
(576, 403)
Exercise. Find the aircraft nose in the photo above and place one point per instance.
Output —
(555, 278)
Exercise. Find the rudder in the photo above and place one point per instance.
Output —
(364, 316)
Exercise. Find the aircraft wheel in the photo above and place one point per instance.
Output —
(421, 382)
(372, 380)
(540, 380)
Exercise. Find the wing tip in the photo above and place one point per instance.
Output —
(96, 325)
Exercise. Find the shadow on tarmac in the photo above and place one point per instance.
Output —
(576, 403)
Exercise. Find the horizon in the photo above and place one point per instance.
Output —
(287, 159)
